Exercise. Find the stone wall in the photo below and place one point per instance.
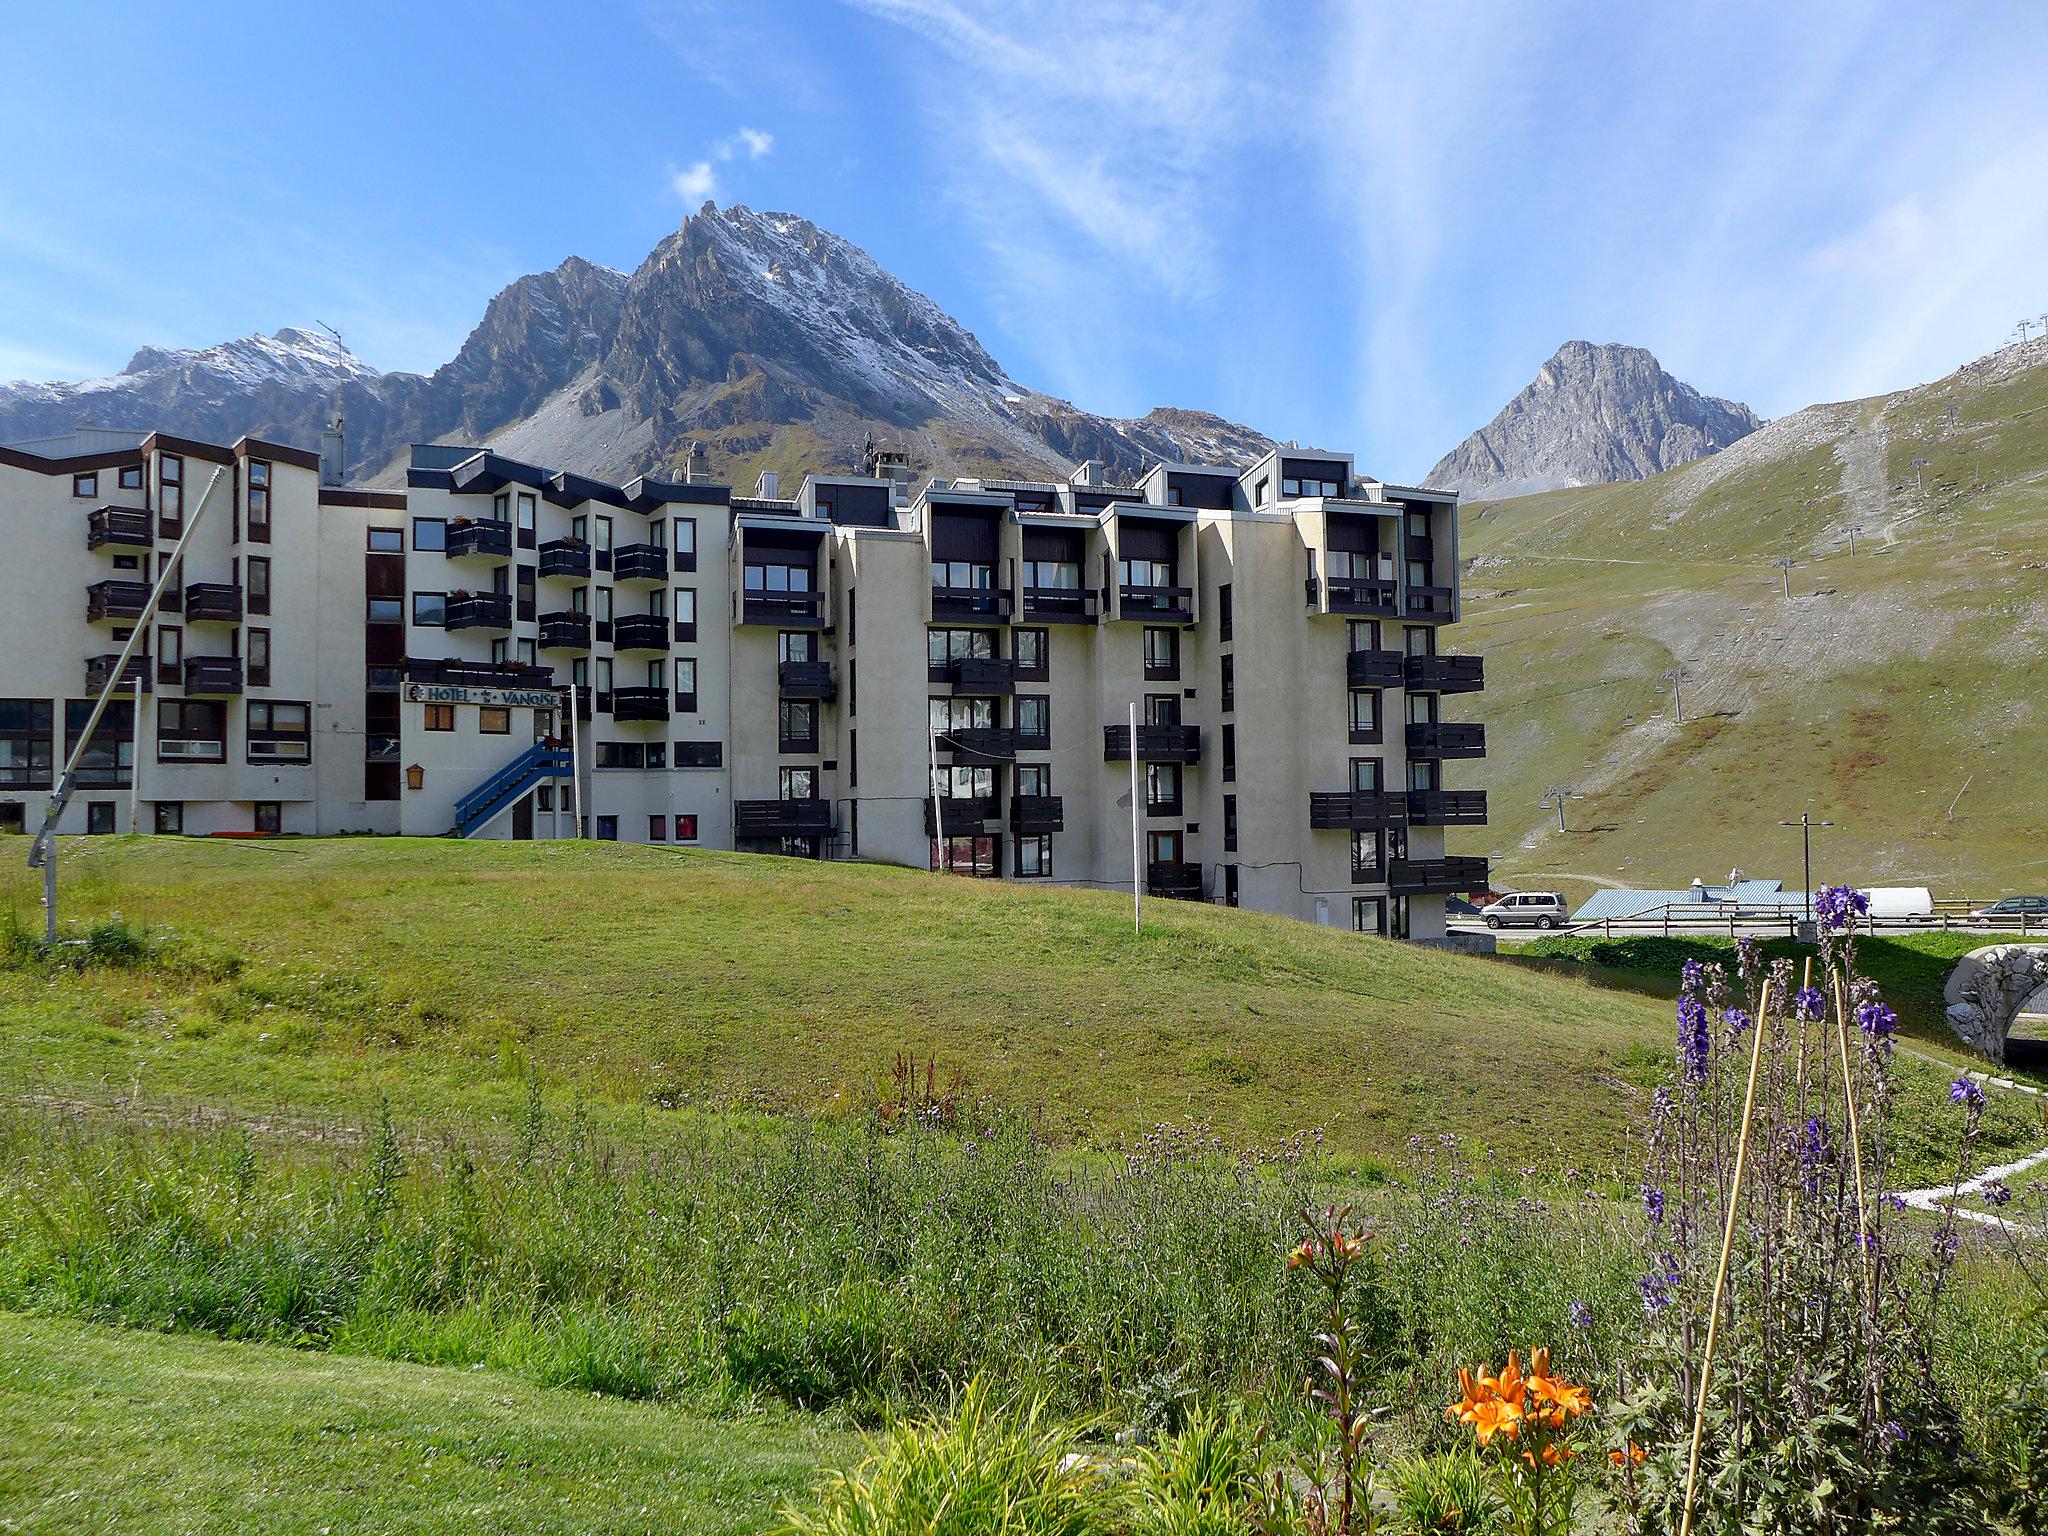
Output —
(1987, 989)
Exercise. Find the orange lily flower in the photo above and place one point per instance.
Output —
(1491, 1416)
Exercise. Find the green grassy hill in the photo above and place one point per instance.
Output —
(436, 973)
(1893, 679)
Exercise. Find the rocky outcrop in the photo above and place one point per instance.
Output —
(1594, 414)
(1987, 989)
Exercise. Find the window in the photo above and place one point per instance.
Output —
(99, 818)
(1230, 823)
(1034, 722)
(657, 754)
(657, 829)
(259, 502)
(1362, 635)
(501, 507)
(686, 543)
(1052, 575)
(387, 541)
(1302, 486)
(526, 511)
(607, 829)
(1034, 779)
(259, 584)
(26, 743)
(1230, 885)
(1422, 709)
(657, 673)
(972, 855)
(1229, 682)
(385, 610)
(700, 754)
(964, 782)
(492, 721)
(1162, 709)
(1229, 754)
(1162, 655)
(1261, 491)
(1367, 856)
(1147, 573)
(440, 717)
(1028, 649)
(604, 682)
(1034, 857)
(280, 731)
(1418, 525)
(429, 609)
(852, 685)
(944, 646)
(131, 477)
(1365, 714)
(798, 783)
(1162, 789)
(964, 714)
(797, 725)
(851, 632)
(796, 645)
(1365, 775)
(259, 658)
(621, 754)
(1368, 914)
(170, 653)
(170, 495)
(109, 760)
(1223, 614)
(87, 484)
(686, 684)
(1419, 639)
(191, 730)
(170, 818)
(602, 544)
(972, 575)
(429, 534)
(686, 829)
(686, 613)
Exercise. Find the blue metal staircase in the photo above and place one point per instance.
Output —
(503, 789)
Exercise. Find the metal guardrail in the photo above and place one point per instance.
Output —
(1733, 918)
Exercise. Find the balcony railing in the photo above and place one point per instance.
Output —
(488, 540)
(1182, 882)
(1357, 811)
(1364, 595)
(480, 674)
(1447, 807)
(980, 744)
(1446, 674)
(106, 600)
(640, 562)
(1156, 743)
(212, 602)
(789, 610)
(565, 631)
(1060, 605)
(1426, 740)
(640, 704)
(753, 819)
(806, 680)
(1373, 669)
(99, 668)
(566, 558)
(1032, 814)
(962, 817)
(640, 632)
(482, 610)
(1430, 602)
(220, 676)
(1159, 605)
(984, 603)
(982, 675)
(1415, 877)
(118, 525)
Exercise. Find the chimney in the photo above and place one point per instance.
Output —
(1087, 472)
(333, 451)
(697, 470)
(769, 486)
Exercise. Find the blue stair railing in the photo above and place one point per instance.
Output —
(504, 788)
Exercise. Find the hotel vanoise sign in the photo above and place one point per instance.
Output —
(490, 698)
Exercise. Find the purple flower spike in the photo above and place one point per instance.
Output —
(1653, 1204)
(1582, 1317)
(1838, 905)
(1965, 1092)
(1995, 1192)
(1811, 1004)
(1695, 1037)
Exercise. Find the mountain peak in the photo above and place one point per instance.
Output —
(1595, 413)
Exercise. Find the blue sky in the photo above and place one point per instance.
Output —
(1363, 225)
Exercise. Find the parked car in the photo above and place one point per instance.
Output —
(2013, 912)
(1538, 909)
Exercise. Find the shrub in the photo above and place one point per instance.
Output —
(1451, 1493)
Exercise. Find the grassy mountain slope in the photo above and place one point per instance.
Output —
(1893, 678)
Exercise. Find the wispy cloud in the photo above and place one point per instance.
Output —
(699, 179)
(695, 181)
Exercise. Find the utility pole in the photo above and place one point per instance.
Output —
(2024, 323)
(1953, 411)
(1854, 529)
(1557, 795)
(1678, 677)
(1786, 565)
(1920, 478)
(1806, 824)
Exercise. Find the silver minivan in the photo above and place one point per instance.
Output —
(1537, 909)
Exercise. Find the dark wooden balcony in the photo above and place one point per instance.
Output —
(1430, 602)
(962, 817)
(212, 602)
(1362, 596)
(489, 541)
(806, 680)
(564, 631)
(479, 674)
(980, 744)
(1033, 814)
(1180, 882)
(640, 562)
(115, 601)
(1060, 605)
(1157, 605)
(640, 632)
(481, 610)
(218, 676)
(755, 819)
(1436, 741)
(1373, 669)
(1447, 807)
(784, 610)
(568, 559)
(640, 704)
(121, 526)
(982, 675)
(1156, 743)
(1357, 811)
(99, 668)
(986, 605)
(1446, 674)
(1417, 877)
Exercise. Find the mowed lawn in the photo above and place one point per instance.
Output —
(438, 974)
(104, 1430)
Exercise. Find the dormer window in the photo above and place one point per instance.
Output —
(1294, 486)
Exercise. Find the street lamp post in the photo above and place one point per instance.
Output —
(1806, 824)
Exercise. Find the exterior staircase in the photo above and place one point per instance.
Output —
(503, 789)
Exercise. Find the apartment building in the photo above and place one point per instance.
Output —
(942, 677)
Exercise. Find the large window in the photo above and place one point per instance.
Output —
(259, 502)
(1162, 789)
(430, 609)
(964, 782)
(973, 855)
(492, 720)
(797, 725)
(967, 714)
(1034, 778)
(1028, 647)
(686, 543)
(1162, 655)
(109, 762)
(259, 584)
(191, 730)
(949, 645)
(686, 684)
(1301, 485)
(1365, 714)
(1034, 857)
(971, 574)
(170, 495)
(798, 783)
(1052, 575)
(700, 754)
(796, 645)
(779, 576)
(430, 534)
(1362, 634)
(1034, 721)
(1147, 573)
(686, 614)
(440, 717)
(280, 732)
(25, 743)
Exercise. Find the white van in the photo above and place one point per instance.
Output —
(1539, 909)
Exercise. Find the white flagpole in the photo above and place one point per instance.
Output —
(1137, 842)
(575, 761)
(942, 863)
